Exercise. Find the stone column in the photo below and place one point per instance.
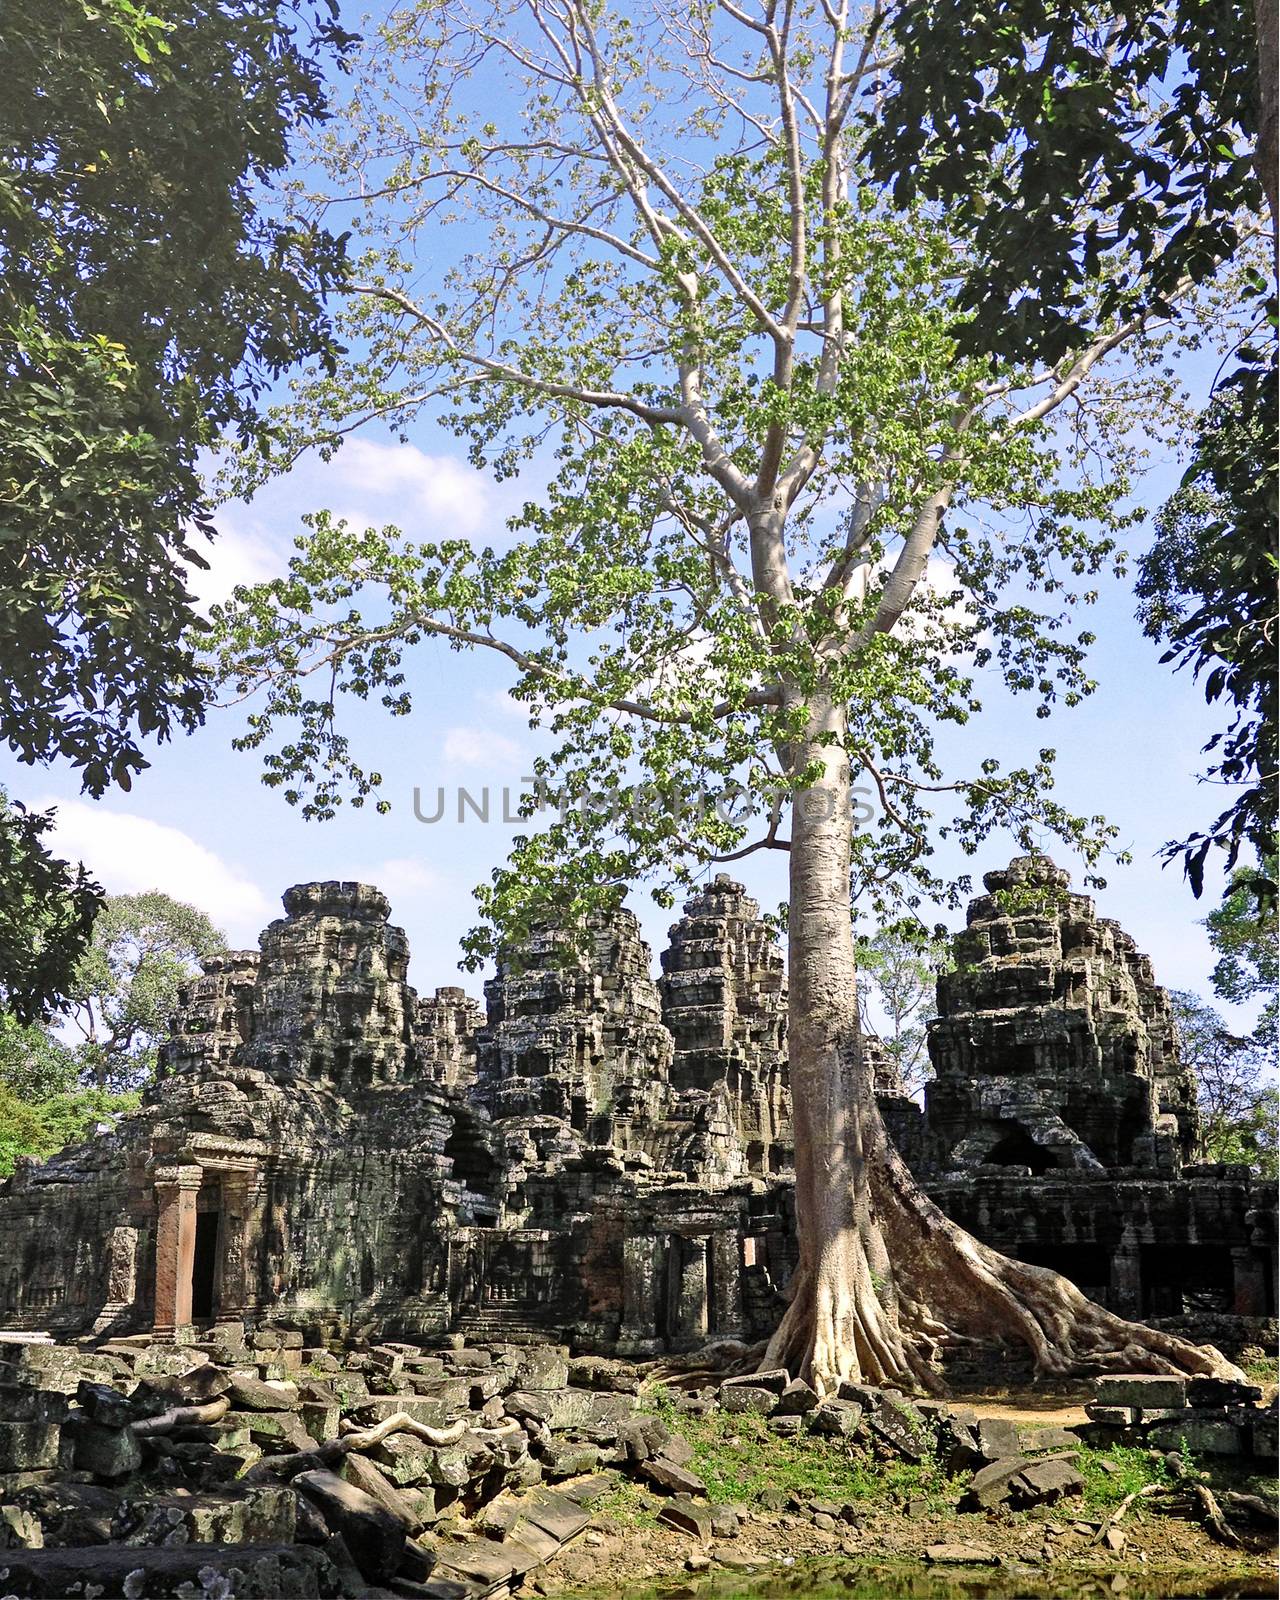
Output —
(1249, 1283)
(691, 1318)
(726, 1285)
(176, 1189)
(240, 1191)
(638, 1334)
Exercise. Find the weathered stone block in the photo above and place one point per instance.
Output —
(101, 1403)
(1154, 1390)
(687, 1517)
(320, 1420)
(374, 1537)
(990, 1484)
(25, 1446)
(366, 1475)
(796, 1399)
(542, 1369)
(564, 1459)
(276, 1430)
(836, 1418)
(106, 1452)
(523, 1403)
(1112, 1416)
(596, 1372)
(670, 1478)
(1050, 1439)
(1044, 1482)
(248, 1392)
(1210, 1436)
(434, 1412)
(775, 1380)
(404, 1459)
(997, 1438)
(585, 1408)
(262, 1572)
(740, 1398)
(1221, 1392)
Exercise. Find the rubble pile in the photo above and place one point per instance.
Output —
(1205, 1416)
(259, 1467)
(255, 1465)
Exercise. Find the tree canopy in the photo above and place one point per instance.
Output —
(1208, 589)
(1242, 931)
(47, 909)
(1125, 151)
(1118, 145)
(150, 291)
(125, 990)
(1235, 1087)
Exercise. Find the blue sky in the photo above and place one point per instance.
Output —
(199, 825)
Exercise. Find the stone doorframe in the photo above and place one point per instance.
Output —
(237, 1167)
(704, 1291)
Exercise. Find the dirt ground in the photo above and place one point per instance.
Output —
(610, 1559)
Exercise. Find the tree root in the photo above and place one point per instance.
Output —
(903, 1284)
(1211, 1516)
(1254, 1509)
(362, 1439)
(1187, 1497)
(706, 1365)
(180, 1417)
(1117, 1516)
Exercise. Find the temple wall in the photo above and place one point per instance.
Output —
(604, 1159)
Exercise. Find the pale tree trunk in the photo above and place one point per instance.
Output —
(1266, 156)
(886, 1283)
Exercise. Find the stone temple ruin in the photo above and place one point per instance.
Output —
(598, 1158)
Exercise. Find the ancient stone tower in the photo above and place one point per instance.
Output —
(724, 1000)
(1054, 1047)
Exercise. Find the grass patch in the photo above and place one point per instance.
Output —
(629, 1505)
(1131, 1469)
(1262, 1369)
(739, 1459)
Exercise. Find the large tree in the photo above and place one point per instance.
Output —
(150, 290)
(125, 990)
(898, 967)
(43, 1102)
(1235, 1087)
(788, 525)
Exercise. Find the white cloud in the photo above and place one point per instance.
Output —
(367, 485)
(238, 555)
(129, 854)
(502, 701)
(404, 875)
(476, 747)
(441, 488)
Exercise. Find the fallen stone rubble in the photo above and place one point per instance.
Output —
(1207, 1416)
(252, 1466)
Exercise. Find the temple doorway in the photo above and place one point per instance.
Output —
(204, 1267)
